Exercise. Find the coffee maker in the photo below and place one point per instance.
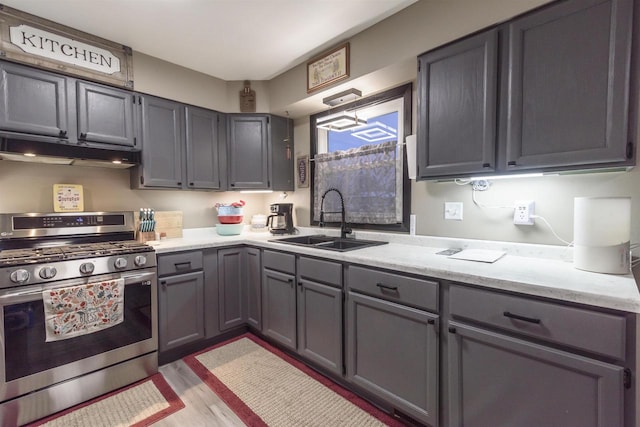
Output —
(281, 219)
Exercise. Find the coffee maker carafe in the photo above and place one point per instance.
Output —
(281, 219)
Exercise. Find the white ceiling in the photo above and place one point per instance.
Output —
(228, 39)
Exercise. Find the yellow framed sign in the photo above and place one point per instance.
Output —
(68, 198)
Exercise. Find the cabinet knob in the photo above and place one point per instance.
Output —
(83, 136)
(486, 165)
(191, 184)
(452, 329)
(63, 134)
(511, 163)
(179, 183)
(431, 321)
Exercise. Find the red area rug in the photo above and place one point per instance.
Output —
(265, 386)
(139, 404)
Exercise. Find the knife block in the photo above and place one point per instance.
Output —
(145, 236)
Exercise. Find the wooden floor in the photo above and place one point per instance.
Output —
(202, 406)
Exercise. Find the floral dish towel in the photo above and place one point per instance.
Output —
(83, 309)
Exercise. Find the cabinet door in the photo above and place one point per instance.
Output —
(203, 151)
(33, 101)
(181, 310)
(320, 324)
(569, 85)
(161, 143)
(253, 281)
(248, 148)
(496, 380)
(279, 307)
(457, 104)
(392, 352)
(230, 287)
(105, 114)
(281, 154)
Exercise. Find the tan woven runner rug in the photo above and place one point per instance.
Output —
(139, 404)
(266, 387)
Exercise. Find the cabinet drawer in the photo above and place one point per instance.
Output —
(179, 262)
(321, 271)
(279, 261)
(600, 333)
(394, 287)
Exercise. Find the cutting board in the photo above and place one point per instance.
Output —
(169, 222)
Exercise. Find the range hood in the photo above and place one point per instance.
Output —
(40, 149)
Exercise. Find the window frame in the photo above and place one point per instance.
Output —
(403, 92)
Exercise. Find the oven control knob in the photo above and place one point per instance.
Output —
(140, 260)
(19, 276)
(120, 262)
(87, 268)
(48, 272)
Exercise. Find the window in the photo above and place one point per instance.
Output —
(367, 163)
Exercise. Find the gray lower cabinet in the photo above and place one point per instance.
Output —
(516, 360)
(279, 307)
(232, 304)
(392, 352)
(259, 152)
(497, 380)
(319, 313)
(253, 281)
(180, 299)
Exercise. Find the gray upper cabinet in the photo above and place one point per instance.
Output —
(162, 140)
(457, 107)
(547, 91)
(259, 152)
(204, 145)
(105, 115)
(568, 86)
(33, 101)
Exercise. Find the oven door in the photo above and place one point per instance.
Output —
(30, 363)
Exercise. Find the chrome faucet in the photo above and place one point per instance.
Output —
(344, 229)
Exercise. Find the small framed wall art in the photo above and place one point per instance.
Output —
(302, 171)
(328, 68)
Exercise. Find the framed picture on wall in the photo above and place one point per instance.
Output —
(328, 68)
(302, 171)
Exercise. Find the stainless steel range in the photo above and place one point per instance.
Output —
(52, 254)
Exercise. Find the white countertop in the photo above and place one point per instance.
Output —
(541, 270)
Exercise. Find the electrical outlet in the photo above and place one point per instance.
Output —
(453, 210)
(522, 212)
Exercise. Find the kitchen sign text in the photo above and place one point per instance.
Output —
(43, 43)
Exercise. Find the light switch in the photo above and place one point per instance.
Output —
(453, 210)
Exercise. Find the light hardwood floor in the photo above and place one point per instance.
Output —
(202, 406)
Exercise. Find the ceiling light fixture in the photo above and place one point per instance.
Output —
(340, 122)
(342, 97)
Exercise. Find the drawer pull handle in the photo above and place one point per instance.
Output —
(382, 286)
(523, 318)
(183, 265)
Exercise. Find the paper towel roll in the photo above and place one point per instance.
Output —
(601, 234)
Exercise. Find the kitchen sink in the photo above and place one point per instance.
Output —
(320, 241)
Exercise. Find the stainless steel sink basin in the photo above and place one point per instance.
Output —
(320, 241)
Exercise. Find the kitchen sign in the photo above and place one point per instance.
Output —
(36, 41)
(43, 43)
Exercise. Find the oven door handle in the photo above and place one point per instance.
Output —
(145, 278)
(33, 293)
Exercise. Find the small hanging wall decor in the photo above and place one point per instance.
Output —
(302, 171)
(247, 98)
